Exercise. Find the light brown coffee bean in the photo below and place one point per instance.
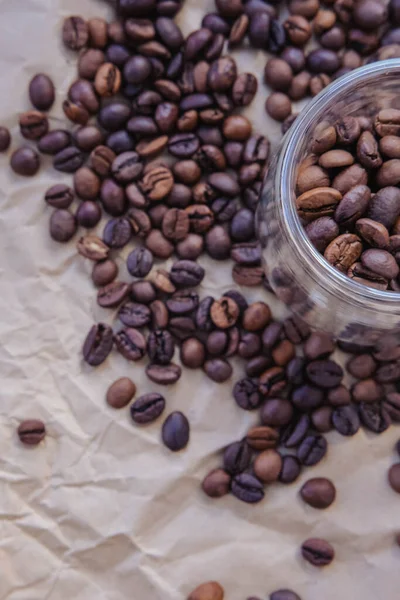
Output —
(344, 251)
(262, 437)
(310, 178)
(267, 466)
(108, 80)
(121, 392)
(334, 159)
(387, 122)
(350, 177)
(318, 202)
(211, 590)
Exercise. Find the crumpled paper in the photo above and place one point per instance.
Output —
(101, 510)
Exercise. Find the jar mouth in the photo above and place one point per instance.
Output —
(285, 173)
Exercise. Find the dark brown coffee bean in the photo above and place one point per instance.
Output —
(104, 272)
(373, 232)
(89, 62)
(222, 74)
(295, 371)
(112, 294)
(276, 412)
(256, 316)
(247, 488)
(76, 112)
(121, 392)
(368, 152)
(318, 345)
(380, 262)
(75, 33)
(98, 35)
(306, 397)
(374, 417)
(192, 353)
(246, 394)
(394, 477)
(216, 484)
(157, 182)
(25, 161)
(41, 92)
(278, 106)
(238, 31)
(259, 29)
(92, 247)
(321, 419)
(88, 214)
(312, 450)
(130, 343)
(147, 408)
(218, 369)
(237, 457)
(318, 492)
(164, 374)
(5, 139)
(68, 160)
(352, 206)
(176, 431)
(346, 421)
(98, 344)
(31, 432)
(318, 552)
(59, 196)
(324, 373)
(62, 225)
(134, 314)
(282, 595)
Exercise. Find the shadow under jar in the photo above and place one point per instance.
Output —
(298, 273)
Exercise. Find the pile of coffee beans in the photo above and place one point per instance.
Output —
(159, 147)
(318, 42)
(348, 197)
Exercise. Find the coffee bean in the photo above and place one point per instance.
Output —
(256, 316)
(322, 419)
(290, 469)
(295, 370)
(210, 590)
(284, 595)
(92, 247)
(186, 273)
(62, 225)
(346, 421)
(31, 432)
(41, 92)
(192, 353)
(218, 369)
(130, 343)
(175, 431)
(373, 232)
(267, 466)
(367, 391)
(134, 314)
(318, 345)
(394, 477)
(247, 488)
(278, 74)
(98, 344)
(317, 203)
(237, 457)
(216, 484)
(169, 32)
(312, 450)
(121, 392)
(25, 161)
(68, 160)
(59, 196)
(104, 272)
(218, 243)
(362, 366)
(75, 33)
(352, 206)
(157, 182)
(384, 206)
(374, 417)
(147, 408)
(278, 106)
(318, 552)
(244, 89)
(306, 397)
(262, 438)
(5, 139)
(139, 262)
(117, 233)
(224, 313)
(318, 492)
(89, 62)
(160, 347)
(246, 394)
(88, 214)
(164, 374)
(276, 412)
(380, 262)
(112, 294)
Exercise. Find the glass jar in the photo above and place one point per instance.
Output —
(299, 275)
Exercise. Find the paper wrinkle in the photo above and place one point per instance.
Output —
(101, 510)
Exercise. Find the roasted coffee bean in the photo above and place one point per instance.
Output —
(5, 139)
(218, 243)
(362, 366)
(134, 314)
(41, 92)
(318, 492)
(62, 225)
(211, 590)
(373, 232)
(318, 552)
(276, 412)
(190, 248)
(86, 183)
(25, 161)
(104, 272)
(130, 343)
(262, 438)
(250, 345)
(237, 457)
(88, 214)
(294, 433)
(112, 197)
(311, 177)
(112, 294)
(278, 106)
(256, 316)
(192, 353)
(75, 33)
(163, 374)
(160, 347)
(87, 138)
(246, 394)
(257, 365)
(296, 330)
(247, 488)
(317, 203)
(175, 224)
(147, 408)
(290, 469)
(117, 233)
(388, 372)
(283, 595)
(31, 432)
(143, 292)
(176, 431)
(59, 196)
(384, 206)
(82, 94)
(318, 345)
(218, 369)
(68, 160)
(346, 421)
(367, 390)
(352, 206)
(343, 251)
(216, 484)
(139, 262)
(121, 392)
(324, 373)
(244, 89)
(394, 477)
(374, 417)
(89, 62)
(224, 313)
(98, 344)
(312, 450)
(391, 404)
(92, 247)
(182, 327)
(322, 419)
(76, 112)
(306, 397)
(295, 371)
(186, 273)
(380, 262)
(272, 381)
(267, 466)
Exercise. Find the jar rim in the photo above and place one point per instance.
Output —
(285, 171)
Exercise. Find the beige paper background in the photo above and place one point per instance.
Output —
(101, 511)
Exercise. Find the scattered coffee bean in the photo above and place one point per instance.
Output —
(284, 595)
(121, 392)
(318, 552)
(216, 484)
(31, 432)
(318, 492)
(175, 431)
(211, 590)
(98, 344)
(147, 408)
(25, 161)
(247, 488)
(5, 139)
